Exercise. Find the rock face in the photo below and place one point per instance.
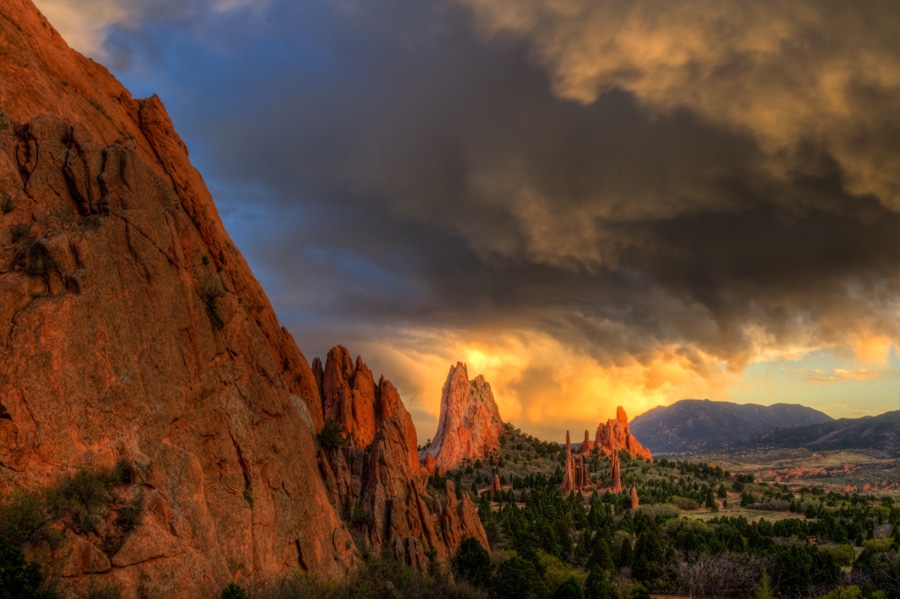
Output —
(133, 332)
(469, 427)
(615, 435)
(375, 479)
(635, 500)
(587, 446)
(615, 473)
(576, 475)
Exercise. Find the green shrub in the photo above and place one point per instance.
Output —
(472, 563)
(331, 436)
(19, 578)
(22, 519)
(84, 497)
(233, 591)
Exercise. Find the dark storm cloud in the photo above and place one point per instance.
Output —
(718, 183)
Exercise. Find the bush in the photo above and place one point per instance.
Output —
(22, 520)
(472, 563)
(331, 436)
(19, 579)
(233, 591)
(84, 497)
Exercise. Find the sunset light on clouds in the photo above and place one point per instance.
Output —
(591, 203)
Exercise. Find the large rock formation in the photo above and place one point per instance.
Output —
(615, 435)
(576, 475)
(375, 478)
(134, 333)
(469, 427)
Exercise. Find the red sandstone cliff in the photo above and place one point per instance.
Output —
(375, 478)
(133, 332)
(616, 435)
(469, 427)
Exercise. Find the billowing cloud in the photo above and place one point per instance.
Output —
(591, 203)
(86, 25)
(790, 75)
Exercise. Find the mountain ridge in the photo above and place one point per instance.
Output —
(692, 424)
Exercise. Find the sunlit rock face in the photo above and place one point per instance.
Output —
(469, 427)
(615, 435)
(373, 473)
(135, 333)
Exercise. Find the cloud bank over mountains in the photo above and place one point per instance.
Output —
(592, 203)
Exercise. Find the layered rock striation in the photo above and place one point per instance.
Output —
(469, 427)
(615, 435)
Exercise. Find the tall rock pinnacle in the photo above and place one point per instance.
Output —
(469, 427)
(376, 476)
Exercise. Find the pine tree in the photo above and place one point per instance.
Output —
(763, 591)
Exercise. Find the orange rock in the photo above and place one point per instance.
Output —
(587, 446)
(381, 487)
(348, 395)
(495, 484)
(469, 427)
(616, 435)
(615, 473)
(635, 500)
(135, 331)
(568, 483)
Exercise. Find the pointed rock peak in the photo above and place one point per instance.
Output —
(470, 425)
(621, 416)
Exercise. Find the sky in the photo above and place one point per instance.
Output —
(592, 203)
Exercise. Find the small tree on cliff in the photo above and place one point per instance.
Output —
(331, 435)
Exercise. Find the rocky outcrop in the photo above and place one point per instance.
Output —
(132, 331)
(469, 427)
(374, 479)
(568, 483)
(635, 500)
(587, 446)
(495, 484)
(615, 474)
(576, 475)
(615, 435)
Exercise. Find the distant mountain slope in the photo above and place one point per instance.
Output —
(692, 424)
(879, 433)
